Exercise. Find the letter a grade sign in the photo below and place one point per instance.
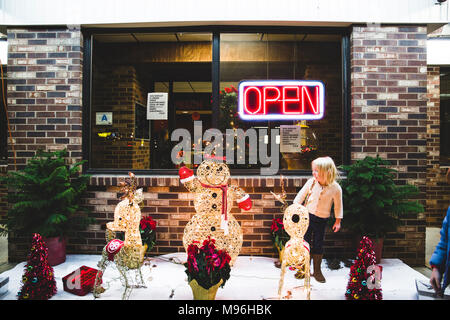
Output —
(104, 118)
(281, 100)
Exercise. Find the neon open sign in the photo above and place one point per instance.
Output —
(281, 100)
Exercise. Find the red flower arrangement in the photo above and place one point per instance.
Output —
(230, 90)
(147, 228)
(279, 235)
(207, 265)
(307, 148)
(229, 117)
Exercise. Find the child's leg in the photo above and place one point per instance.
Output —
(318, 234)
(319, 225)
(309, 232)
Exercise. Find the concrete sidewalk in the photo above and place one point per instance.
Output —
(253, 278)
(4, 265)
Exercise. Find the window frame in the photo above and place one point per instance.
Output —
(216, 30)
(444, 160)
(3, 118)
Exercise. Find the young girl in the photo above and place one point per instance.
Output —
(317, 195)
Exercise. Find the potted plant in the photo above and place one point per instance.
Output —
(45, 198)
(147, 228)
(279, 236)
(207, 269)
(373, 202)
(229, 117)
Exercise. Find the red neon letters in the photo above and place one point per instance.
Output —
(266, 100)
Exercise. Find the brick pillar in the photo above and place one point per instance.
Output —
(389, 116)
(44, 91)
(44, 98)
(3, 197)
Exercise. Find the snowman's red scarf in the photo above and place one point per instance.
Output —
(224, 188)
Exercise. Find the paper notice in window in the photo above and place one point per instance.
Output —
(289, 138)
(157, 105)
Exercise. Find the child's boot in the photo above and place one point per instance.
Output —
(317, 260)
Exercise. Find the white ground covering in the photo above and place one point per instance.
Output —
(252, 278)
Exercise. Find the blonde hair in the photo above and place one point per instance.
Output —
(326, 166)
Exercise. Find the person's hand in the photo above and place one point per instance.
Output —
(435, 280)
(336, 226)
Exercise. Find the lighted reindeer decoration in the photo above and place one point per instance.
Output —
(296, 252)
(128, 254)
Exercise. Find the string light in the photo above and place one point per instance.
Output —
(130, 256)
(213, 202)
(296, 250)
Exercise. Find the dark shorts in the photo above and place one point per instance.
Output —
(315, 233)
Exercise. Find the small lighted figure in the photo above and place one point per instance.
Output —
(213, 201)
(128, 254)
(296, 250)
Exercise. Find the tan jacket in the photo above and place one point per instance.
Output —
(321, 198)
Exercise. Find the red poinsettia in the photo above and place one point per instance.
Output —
(147, 228)
(206, 264)
(279, 235)
(230, 90)
(276, 224)
(148, 222)
(307, 148)
(192, 253)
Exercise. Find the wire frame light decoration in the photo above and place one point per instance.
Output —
(213, 202)
(296, 251)
(128, 255)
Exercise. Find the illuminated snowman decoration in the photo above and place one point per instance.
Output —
(213, 202)
(296, 252)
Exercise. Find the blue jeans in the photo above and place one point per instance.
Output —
(315, 233)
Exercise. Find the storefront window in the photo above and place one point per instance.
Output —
(445, 115)
(3, 122)
(127, 67)
(262, 56)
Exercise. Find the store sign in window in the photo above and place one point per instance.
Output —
(281, 100)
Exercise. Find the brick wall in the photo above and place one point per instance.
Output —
(438, 190)
(44, 91)
(3, 197)
(172, 207)
(389, 116)
(167, 201)
(44, 99)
